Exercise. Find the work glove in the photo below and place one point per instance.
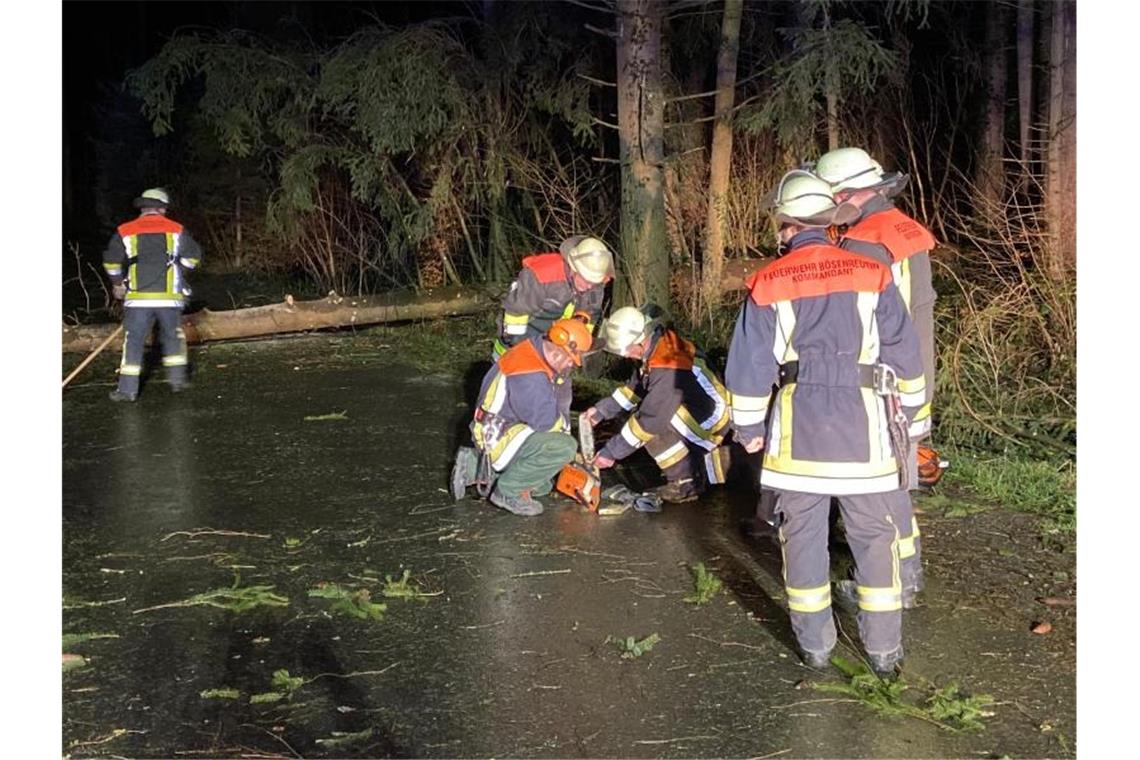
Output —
(119, 291)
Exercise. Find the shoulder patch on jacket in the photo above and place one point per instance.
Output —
(897, 232)
(149, 224)
(547, 267)
(672, 352)
(523, 359)
(817, 270)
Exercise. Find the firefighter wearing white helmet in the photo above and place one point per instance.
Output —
(146, 261)
(820, 323)
(677, 406)
(568, 283)
(886, 234)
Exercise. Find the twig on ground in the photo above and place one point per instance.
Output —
(540, 572)
(212, 532)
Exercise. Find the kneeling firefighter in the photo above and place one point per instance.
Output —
(555, 286)
(678, 407)
(521, 429)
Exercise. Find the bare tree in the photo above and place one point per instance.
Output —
(720, 161)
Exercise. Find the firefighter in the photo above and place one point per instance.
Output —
(678, 408)
(829, 328)
(146, 261)
(886, 234)
(555, 286)
(522, 421)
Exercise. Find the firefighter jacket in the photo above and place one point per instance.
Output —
(520, 395)
(672, 389)
(822, 317)
(888, 235)
(543, 292)
(150, 255)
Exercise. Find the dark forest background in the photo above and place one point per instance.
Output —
(373, 146)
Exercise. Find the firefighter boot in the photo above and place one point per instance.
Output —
(522, 504)
(816, 660)
(464, 472)
(680, 491)
(118, 395)
(886, 666)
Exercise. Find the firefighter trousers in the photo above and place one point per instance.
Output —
(137, 322)
(874, 540)
(680, 459)
(537, 461)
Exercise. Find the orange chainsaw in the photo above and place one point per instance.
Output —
(580, 480)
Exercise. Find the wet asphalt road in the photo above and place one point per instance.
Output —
(230, 485)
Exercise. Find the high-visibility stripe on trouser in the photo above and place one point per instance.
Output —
(136, 328)
(868, 520)
(910, 547)
(807, 578)
(173, 343)
(674, 455)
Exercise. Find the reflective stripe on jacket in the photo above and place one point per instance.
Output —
(829, 310)
(520, 395)
(149, 254)
(673, 388)
(543, 292)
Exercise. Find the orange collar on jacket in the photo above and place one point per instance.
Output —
(524, 358)
(895, 231)
(671, 352)
(817, 270)
(149, 224)
(547, 267)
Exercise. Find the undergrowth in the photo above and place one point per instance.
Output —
(1043, 488)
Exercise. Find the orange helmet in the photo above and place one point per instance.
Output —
(572, 335)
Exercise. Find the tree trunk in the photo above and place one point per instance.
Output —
(990, 177)
(303, 316)
(1024, 80)
(641, 129)
(832, 118)
(1061, 177)
(720, 160)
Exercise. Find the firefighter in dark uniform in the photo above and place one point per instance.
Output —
(829, 328)
(678, 408)
(555, 286)
(886, 234)
(522, 422)
(146, 260)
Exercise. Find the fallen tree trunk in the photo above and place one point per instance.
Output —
(302, 316)
(338, 311)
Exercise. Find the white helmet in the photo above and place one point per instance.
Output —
(803, 197)
(625, 327)
(588, 257)
(849, 169)
(154, 197)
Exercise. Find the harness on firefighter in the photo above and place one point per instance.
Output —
(492, 428)
(886, 385)
(880, 378)
(171, 263)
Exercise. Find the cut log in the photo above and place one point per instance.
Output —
(302, 316)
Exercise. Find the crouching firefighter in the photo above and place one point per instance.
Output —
(146, 261)
(521, 428)
(829, 328)
(555, 286)
(678, 408)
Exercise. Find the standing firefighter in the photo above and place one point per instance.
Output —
(522, 422)
(555, 286)
(886, 234)
(678, 407)
(146, 260)
(830, 329)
